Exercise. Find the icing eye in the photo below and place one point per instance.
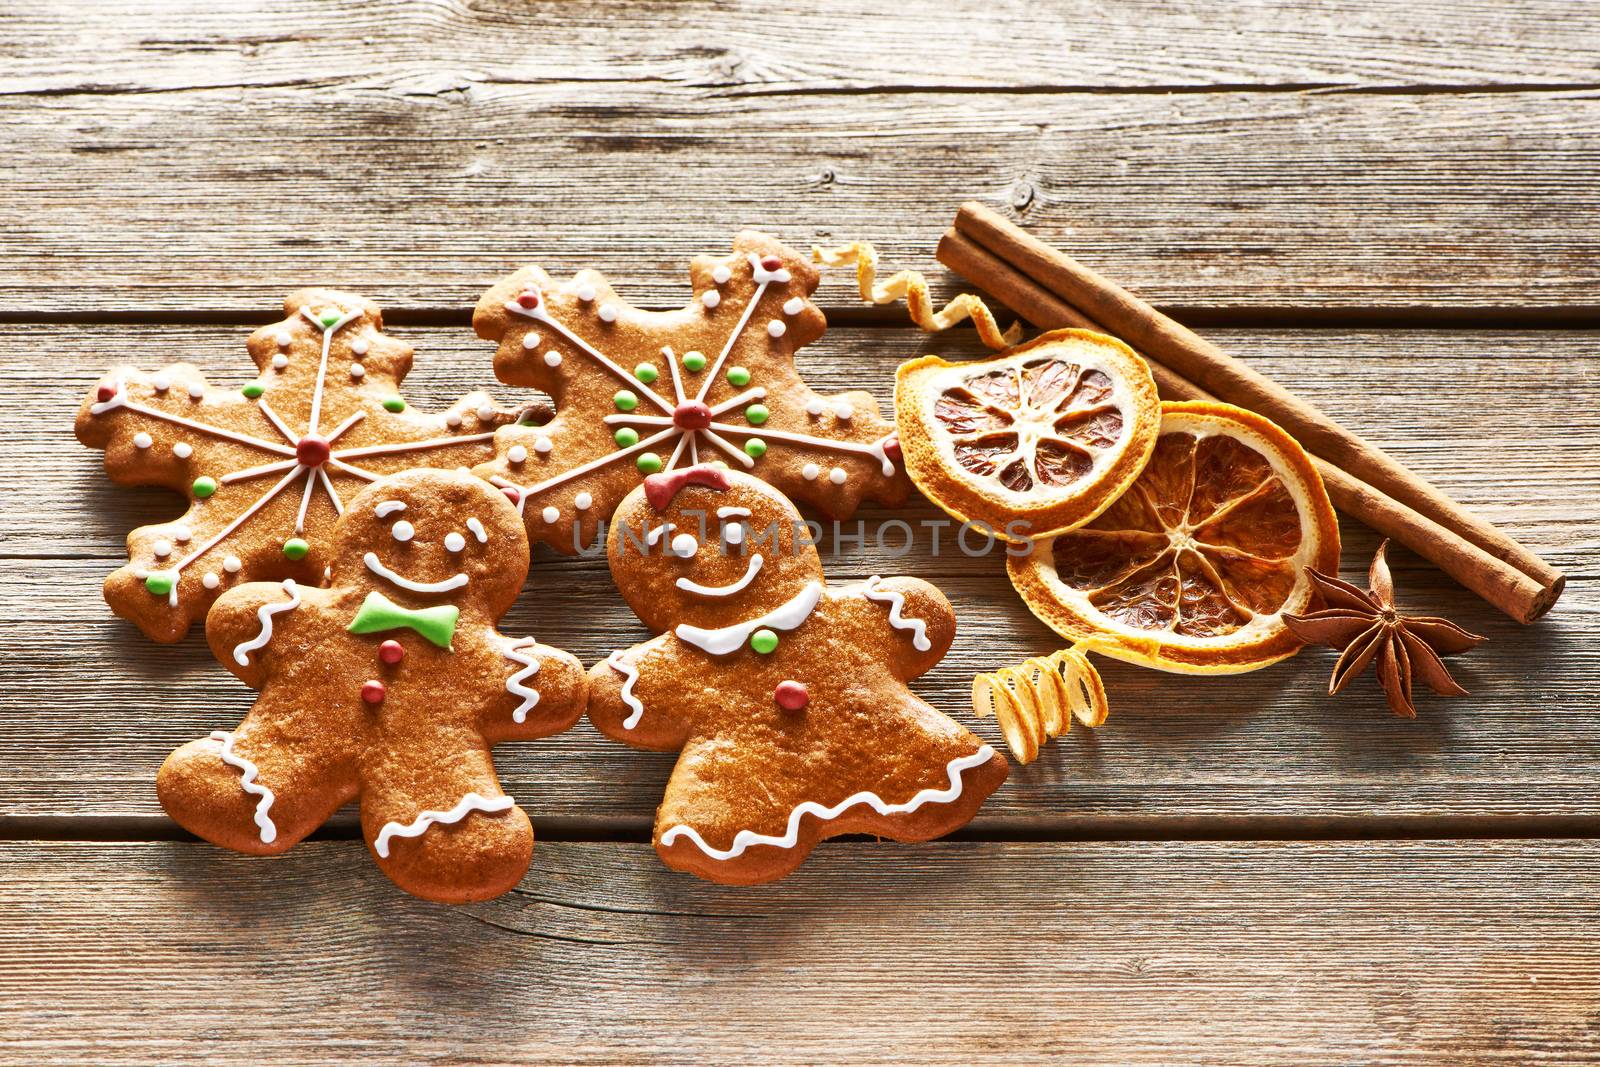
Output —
(403, 531)
(733, 532)
(684, 545)
(454, 541)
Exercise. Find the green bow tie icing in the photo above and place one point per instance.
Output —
(378, 613)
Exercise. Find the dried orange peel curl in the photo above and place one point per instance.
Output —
(913, 287)
(1036, 701)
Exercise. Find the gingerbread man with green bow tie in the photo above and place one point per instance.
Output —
(389, 686)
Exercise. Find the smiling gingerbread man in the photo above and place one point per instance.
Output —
(787, 698)
(390, 686)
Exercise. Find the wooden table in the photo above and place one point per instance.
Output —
(1393, 206)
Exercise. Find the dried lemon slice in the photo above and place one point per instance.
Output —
(1192, 569)
(1038, 699)
(1039, 439)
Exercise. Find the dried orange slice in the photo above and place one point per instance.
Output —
(1036, 440)
(1192, 569)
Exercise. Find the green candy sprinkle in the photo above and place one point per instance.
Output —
(695, 361)
(625, 400)
(204, 486)
(764, 642)
(626, 437)
(755, 448)
(757, 414)
(648, 463)
(646, 373)
(394, 403)
(159, 583)
(296, 548)
(328, 318)
(253, 390)
(738, 376)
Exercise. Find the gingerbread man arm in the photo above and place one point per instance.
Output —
(919, 620)
(545, 692)
(243, 622)
(633, 693)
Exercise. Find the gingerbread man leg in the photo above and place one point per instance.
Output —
(437, 821)
(257, 789)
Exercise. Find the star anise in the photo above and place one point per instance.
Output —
(1366, 627)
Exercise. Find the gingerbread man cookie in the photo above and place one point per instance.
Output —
(389, 686)
(266, 467)
(638, 392)
(787, 698)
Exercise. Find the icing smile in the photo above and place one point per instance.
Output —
(750, 573)
(375, 565)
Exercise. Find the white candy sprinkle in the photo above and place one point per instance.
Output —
(550, 515)
(552, 358)
(183, 450)
(794, 306)
(810, 472)
(182, 534)
(684, 545)
(710, 298)
(843, 410)
(454, 541)
(586, 292)
(231, 564)
(357, 371)
(776, 328)
(279, 361)
(815, 406)
(143, 440)
(583, 501)
(517, 454)
(359, 346)
(283, 338)
(530, 340)
(452, 419)
(210, 581)
(196, 391)
(161, 383)
(485, 412)
(837, 476)
(403, 531)
(608, 313)
(720, 274)
(542, 445)
(162, 549)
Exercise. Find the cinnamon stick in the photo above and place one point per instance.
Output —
(1520, 595)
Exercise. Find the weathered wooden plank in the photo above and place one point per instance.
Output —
(750, 47)
(1373, 953)
(226, 197)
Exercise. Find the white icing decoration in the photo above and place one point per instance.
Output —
(630, 675)
(654, 536)
(231, 564)
(477, 529)
(516, 684)
(583, 501)
(517, 454)
(465, 806)
(552, 358)
(183, 450)
(454, 542)
(842, 410)
(810, 472)
(210, 580)
(162, 549)
(249, 782)
(142, 441)
(733, 532)
(585, 292)
(452, 419)
(684, 545)
(530, 340)
(241, 651)
(403, 531)
(776, 328)
(815, 406)
(182, 534)
(550, 514)
(388, 507)
(607, 313)
(791, 836)
(359, 346)
(196, 391)
(897, 603)
(357, 371)
(543, 445)
(279, 361)
(720, 274)
(837, 476)
(725, 639)
(485, 412)
(793, 306)
(283, 338)
(710, 298)
(455, 581)
(161, 383)
(750, 572)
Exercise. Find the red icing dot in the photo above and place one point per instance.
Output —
(791, 696)
(511, 494)
(372, 692)
(770, 263)
(311, 450)
(391, 652)
(529, 299)
(691, 415)
(891, 447)
(104, 393)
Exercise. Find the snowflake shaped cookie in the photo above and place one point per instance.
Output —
(640, 392)
(266, 467)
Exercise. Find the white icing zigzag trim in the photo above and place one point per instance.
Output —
(515, 684)
(241, 651)
(631, 673)
(745, 838)
(269, 831)
(465, 806)
(897, 605)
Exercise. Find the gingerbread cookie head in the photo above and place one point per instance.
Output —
(643, 392)
(697, 545)
(388, 686)
(434, 537)
(267, 467)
